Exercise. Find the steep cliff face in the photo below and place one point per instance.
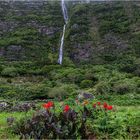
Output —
(96, 33)
(29, 30)
(103, 32)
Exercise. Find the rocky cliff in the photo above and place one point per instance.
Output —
(97, 32)
(29, 30)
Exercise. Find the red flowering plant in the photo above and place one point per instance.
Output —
(69, 121)
(48, 105)
(66, 108)
(104, 106)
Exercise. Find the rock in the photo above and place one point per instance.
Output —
(82, 52)
(88, 96)
(75, 26)
(10, 120)
(118, 45)
(47, 31)
(85, 96)
(23, 107)
(3, 104)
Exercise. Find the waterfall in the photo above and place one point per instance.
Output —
(65, 15)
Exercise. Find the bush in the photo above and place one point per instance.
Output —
(6, 91)
(53, 123)
(86, 84)
(1, 68)
(125, 86)
(122, 88)
(9, 72)
(103, 88)
(63, 91)
(32, 92)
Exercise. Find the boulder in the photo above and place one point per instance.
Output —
(85, 96)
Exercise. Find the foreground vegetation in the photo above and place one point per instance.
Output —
(63, 85)
(119, 122)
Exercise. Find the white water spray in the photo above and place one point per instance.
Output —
(65, 15)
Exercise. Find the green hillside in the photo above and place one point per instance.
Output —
(101, 57)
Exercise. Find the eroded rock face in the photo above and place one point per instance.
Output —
(47, 30)
(12, 52)
(117, 43)
(82, 52)
(7, 26)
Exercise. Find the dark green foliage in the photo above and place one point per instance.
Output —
(45, 124)
(9, 72)
(63, 91)
(33, 92)
(86, 84)
(37, 82)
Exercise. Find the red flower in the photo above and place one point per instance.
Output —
(94, 105)
(109, 107)
(105, 105)
(66, 108)
(48, 105)
(99, 103)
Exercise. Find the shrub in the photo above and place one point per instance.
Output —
(63, 91)
(57, 124)
(121, 89)
(137, 72)
(102, 87)
(9, 72)
(125, 86)
(32, 92)
(86, 84)
(9, 80)
(57, 92)
(7, 91)
(1, 68)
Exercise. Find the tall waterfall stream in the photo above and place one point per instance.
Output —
(65, 15)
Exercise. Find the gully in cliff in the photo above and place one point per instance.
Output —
(65, 15)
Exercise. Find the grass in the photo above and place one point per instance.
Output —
(6, 133)
(121, 100)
